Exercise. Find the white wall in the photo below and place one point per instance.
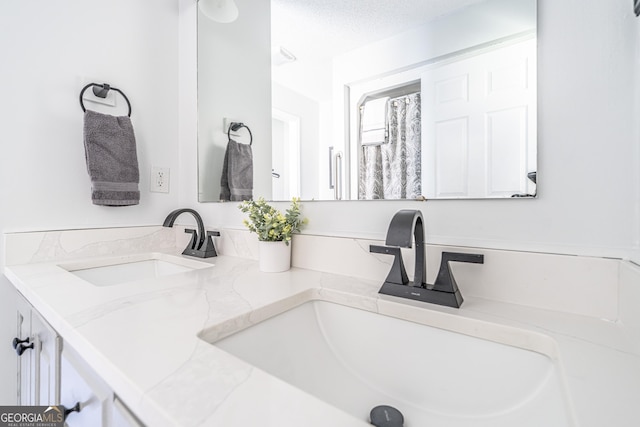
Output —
(48, 50)
(587, 152)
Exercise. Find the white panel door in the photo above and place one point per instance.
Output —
(479, 124)
(285, 159)
(451, 149)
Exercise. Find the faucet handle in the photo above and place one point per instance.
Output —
(397, 274)
(209, 249)
(194, 238)
(460, 257)
(445, 282)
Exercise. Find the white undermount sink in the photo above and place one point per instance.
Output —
(356, 360)
(114, 271)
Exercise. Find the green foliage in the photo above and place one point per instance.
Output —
(270, 224)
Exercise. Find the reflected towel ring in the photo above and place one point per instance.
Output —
(101, 90)
(234, 126)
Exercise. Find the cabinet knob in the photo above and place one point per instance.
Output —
(21, 347)
(74, 408)
(17, 341)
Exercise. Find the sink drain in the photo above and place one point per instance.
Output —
(386, 416)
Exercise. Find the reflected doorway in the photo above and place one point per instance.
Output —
(285, 158)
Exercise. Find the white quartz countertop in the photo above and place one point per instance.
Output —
(144, 339)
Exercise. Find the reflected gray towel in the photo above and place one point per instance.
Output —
(237, 172)
(112, 161)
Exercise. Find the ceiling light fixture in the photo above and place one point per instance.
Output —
(223, 11)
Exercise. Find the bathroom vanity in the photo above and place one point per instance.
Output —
(154, 346)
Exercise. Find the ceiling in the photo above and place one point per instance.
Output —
(320, 29)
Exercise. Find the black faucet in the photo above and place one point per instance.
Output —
(402, 226)
(444, 291)
(201, 245)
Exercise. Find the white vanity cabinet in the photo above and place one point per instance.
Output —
(98, 406)
(38, 349)
(50, 373)
(122, 416)
(81, 386)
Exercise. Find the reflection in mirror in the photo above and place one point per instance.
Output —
(380, 100)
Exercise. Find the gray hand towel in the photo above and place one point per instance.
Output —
(237, 172)
(112, 161)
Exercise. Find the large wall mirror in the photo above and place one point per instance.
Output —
(384, 100)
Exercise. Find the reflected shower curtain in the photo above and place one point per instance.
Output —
(392, 170)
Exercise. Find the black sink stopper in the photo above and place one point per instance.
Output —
(386, 416)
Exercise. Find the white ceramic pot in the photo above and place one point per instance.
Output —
(274, 256)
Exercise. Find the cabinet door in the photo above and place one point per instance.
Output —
(38, 358)
(25, 362)
(47, 362)
(122, 416)
(80, 384)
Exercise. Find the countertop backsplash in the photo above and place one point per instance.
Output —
(574, 284)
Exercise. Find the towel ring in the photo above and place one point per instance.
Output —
(234, 126)
(101, 90)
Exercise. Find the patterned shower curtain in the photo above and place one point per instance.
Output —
(392, 170)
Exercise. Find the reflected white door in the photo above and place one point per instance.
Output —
(285, 160)
(479, 132)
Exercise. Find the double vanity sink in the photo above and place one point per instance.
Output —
(189, 342)
(354, 359)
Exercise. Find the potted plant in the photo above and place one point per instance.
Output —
(274, 230)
